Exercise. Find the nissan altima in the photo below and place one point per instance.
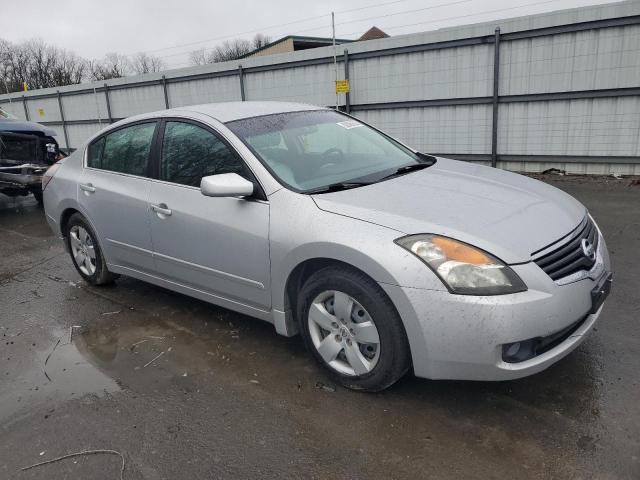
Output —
(382, 258)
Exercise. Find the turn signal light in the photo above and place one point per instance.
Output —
(460, 252)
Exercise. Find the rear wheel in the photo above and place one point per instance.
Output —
(85, 252)
(352, 329)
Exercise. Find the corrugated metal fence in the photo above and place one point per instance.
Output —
(559, 89)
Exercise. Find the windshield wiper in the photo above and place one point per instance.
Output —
(406, 169)
(336, 187)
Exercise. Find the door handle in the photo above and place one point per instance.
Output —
(87, 187)
(161, 210)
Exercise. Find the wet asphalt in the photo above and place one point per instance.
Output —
(184, 389)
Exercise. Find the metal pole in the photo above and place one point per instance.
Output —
(335, 59)
(347, 96)
(26, 110)
(166, 94)
(241, 77)
(496, 91)
(64, 125)
(106, 96)
(95, 97)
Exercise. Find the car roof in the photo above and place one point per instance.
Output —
(223, 112)
(230, 111)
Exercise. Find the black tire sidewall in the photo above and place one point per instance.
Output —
(394, 358)
(38, 194)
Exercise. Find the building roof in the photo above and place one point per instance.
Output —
(300, 42)
(373, 33)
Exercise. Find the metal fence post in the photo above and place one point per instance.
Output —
(106, 97)
(347, 96)
(64, 125)
(496, 91)
(241, 77)
(166, 94)
(26, 111)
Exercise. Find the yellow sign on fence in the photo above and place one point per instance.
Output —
(342, 86)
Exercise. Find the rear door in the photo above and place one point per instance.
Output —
(216, 245)
(114, 191)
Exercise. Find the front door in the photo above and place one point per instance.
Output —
(216, 245)
(114, 192)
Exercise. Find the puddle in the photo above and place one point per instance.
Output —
(67, 374)
(128, 350)
(141, 352)
(144, 353)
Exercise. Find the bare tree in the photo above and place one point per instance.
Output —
(200, 57)
(42, 58)
(260, 40)
(37, 65)
(229, 50)
(16, 67)
(5, 69)
(40, 65)
(114, 65)
(145, 63)
(68, 69)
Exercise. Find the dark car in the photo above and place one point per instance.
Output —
(27, 149)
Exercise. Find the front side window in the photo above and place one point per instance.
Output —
(311, 150)
(190, 152)
(124, 151)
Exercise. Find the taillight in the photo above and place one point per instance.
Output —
(51, 171)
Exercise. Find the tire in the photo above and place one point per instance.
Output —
(329, 292)
(38, 196)
(93, 270)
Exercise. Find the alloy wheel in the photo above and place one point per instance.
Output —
(83, 250)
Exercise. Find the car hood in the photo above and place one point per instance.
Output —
(509, 215)
(18, 126)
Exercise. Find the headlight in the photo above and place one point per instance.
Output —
(462, 268)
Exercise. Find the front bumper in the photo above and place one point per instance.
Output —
(23, 176)
(462, 337)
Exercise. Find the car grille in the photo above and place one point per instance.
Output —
(570, 257)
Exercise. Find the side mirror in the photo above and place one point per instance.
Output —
(226, 185)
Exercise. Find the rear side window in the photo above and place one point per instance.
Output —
(124, 151)
(190, 152)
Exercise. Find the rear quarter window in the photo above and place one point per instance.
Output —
(94, 154)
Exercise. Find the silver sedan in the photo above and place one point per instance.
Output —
(384, 259)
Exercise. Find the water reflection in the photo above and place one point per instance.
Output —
(59, 373)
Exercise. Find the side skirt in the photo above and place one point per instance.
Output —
(266, 315)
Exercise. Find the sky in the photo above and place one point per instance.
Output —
(171, 29)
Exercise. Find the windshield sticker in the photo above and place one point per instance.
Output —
(350, 124)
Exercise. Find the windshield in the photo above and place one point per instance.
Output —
(310, 150)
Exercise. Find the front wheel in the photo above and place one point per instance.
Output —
(352, 329)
